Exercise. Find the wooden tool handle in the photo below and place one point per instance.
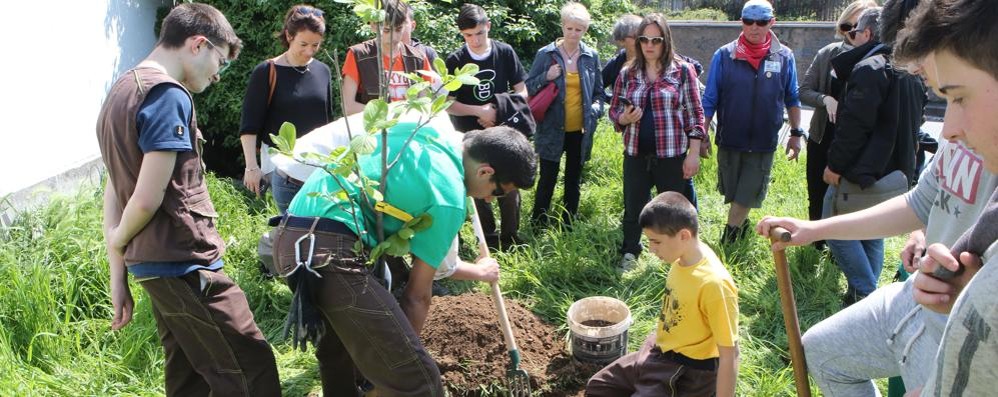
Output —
(788, 304)
(777, 233)
(483, 249)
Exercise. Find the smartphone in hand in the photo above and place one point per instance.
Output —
(625, 101)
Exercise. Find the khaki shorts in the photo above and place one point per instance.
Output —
(743, 177)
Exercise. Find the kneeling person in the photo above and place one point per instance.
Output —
(364, 325)
(694, 350)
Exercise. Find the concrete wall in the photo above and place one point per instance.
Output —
(61, 59)
(700, 39)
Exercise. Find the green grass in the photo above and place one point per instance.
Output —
(54, 306)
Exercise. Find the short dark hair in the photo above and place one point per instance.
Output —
(397, 12)
(966, 28)
(893, 17)
(302, 17)
(195, 19)
(507, 151)
(668, 213)
(471, 15)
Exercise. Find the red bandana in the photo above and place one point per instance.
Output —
(752, 53)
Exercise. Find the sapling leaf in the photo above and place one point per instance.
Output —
(363, 144)
(440, 66)
(289, 134)
(452, 85)
(440, 103)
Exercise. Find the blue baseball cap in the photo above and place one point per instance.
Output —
(757, 10)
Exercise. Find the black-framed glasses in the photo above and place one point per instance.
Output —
(846, 27)
(757, 22)
(306, 11)
(654, 40)
(223, 61)
(498, 191)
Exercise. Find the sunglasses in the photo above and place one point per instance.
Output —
(846, 27)
(223, 61)
(306, 11)
(654, 40)
(757, 22)
(852, 33)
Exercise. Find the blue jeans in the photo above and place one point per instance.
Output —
(860, 260)
(284, 190)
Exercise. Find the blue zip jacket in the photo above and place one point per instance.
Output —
(749, 103)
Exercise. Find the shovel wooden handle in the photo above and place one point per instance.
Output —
(788, 305)
(483, 250)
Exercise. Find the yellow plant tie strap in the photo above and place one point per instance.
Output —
(392, 211)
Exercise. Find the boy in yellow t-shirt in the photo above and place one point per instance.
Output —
(694, 350)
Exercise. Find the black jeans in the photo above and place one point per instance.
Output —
(640, 174)
(509, 214)
(817, 160)
(549, 176)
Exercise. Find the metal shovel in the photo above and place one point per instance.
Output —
(516, 378)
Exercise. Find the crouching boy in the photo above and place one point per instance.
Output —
(694, 349)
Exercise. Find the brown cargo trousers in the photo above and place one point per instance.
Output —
(212, 345)
(365, 329)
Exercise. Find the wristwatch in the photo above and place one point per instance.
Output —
(797, 131)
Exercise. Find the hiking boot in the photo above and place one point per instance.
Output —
(729, 235)
(439, 289)
(628, 262)
(851, 297)
(508, 241)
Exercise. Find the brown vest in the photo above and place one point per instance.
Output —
(366, 55)
(183, 228)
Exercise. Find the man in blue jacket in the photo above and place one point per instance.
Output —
(751, 81)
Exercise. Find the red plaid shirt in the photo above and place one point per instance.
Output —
(678, 116)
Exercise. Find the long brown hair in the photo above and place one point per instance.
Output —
(639, 62)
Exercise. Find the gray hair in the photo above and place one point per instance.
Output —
(868, 20)
(626, 26)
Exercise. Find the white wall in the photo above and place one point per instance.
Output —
(60, 59)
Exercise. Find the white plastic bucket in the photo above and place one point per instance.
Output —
(599, 344)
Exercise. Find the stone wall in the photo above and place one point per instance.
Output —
(700, 39)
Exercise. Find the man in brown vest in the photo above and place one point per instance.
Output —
(361, 82)
(159, 221)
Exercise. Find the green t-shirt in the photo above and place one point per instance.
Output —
(428, 178)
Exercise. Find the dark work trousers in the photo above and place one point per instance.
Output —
(650, 373)
(212, 345)
(509, 216)
(641, 173)
(365, 329)
(549, 177)
(817, 160)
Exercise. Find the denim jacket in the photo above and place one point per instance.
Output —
(550, 137)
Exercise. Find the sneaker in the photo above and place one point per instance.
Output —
(628, 262)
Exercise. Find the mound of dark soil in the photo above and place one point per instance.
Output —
(463, 335)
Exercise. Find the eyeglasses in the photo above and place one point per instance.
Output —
(757, 22)
(846, 27)
(852, 33)
(654, 40)
(223, 61)
(306, 11)
(498, 191)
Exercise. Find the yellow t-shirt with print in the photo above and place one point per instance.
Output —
(573, 103)
(699, 309)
